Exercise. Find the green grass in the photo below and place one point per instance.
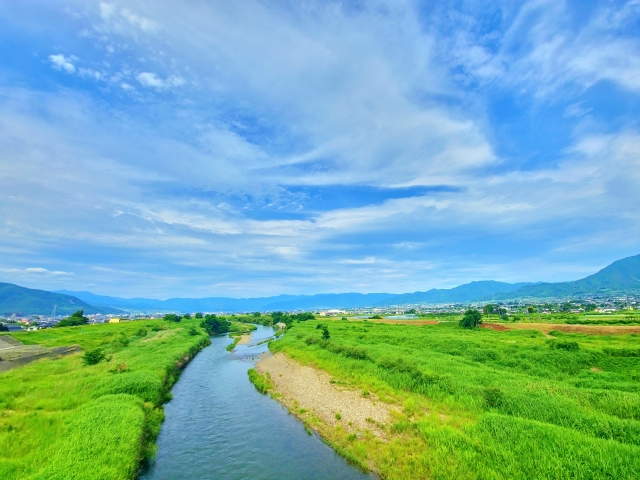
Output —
(61, 419)
(486, 404)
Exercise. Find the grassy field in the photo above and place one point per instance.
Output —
(62, 419)
(482, 403)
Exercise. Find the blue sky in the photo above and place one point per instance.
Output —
(250, 148)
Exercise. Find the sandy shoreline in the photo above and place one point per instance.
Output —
(308, 392)
(244, 339)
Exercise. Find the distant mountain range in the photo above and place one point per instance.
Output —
(622, 276)
(470, 292)
(27, 301)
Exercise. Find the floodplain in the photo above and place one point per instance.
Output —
(478, 403)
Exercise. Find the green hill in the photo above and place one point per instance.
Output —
(622, 276)
(27, 301)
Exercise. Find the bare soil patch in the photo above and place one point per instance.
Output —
(244, 339)
(561, 327)
(311, 390)
(494, 326)
(14, 354)
(405, 322)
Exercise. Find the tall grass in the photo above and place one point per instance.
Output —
(486, 404)
(60, 418)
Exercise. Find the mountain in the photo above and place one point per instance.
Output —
(469, 292)
(27, 301)
(215, 304)
(622, 276)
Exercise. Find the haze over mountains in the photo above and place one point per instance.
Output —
(29, 301)
(622, 276)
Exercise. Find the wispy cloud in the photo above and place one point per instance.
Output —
(301, 148)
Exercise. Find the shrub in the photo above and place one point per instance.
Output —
(172, 317)
(93, 357)
(120, 341)
(325, 334)
(141, 332)
(193, 331)
(493, 397)
(262, 382)
(564, 345)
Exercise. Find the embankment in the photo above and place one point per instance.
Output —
(62, 418)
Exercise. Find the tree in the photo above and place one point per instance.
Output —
(489, 308)
(471, 319)
(530, 309)
(3, 328)
(215, 325)
(198, 315)
(172, 317)
(76, 319)
(186, 316)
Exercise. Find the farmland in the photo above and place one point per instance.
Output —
(62, 418)
(481, 403)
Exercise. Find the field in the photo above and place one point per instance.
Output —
(482, 403)
(62, 419)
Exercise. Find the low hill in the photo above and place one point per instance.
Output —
(27, 301)
(622, 276)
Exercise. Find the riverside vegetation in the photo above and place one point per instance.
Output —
(92, 415)
(478, 403)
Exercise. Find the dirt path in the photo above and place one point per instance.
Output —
(14, 354)
(310, 389)
(562, 327)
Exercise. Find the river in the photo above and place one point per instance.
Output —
(219, 427)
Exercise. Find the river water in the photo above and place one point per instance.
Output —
(219, 427)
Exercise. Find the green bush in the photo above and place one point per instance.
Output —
(564, 345)
(262, 382)
(93, 357)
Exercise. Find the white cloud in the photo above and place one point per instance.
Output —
(151, 80)
(60, 62)
(121, 18)
(35, 271)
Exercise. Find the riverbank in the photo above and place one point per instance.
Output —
(63, 418)
(310, 393)
(467, 403)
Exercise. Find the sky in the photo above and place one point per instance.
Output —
(251, 148)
